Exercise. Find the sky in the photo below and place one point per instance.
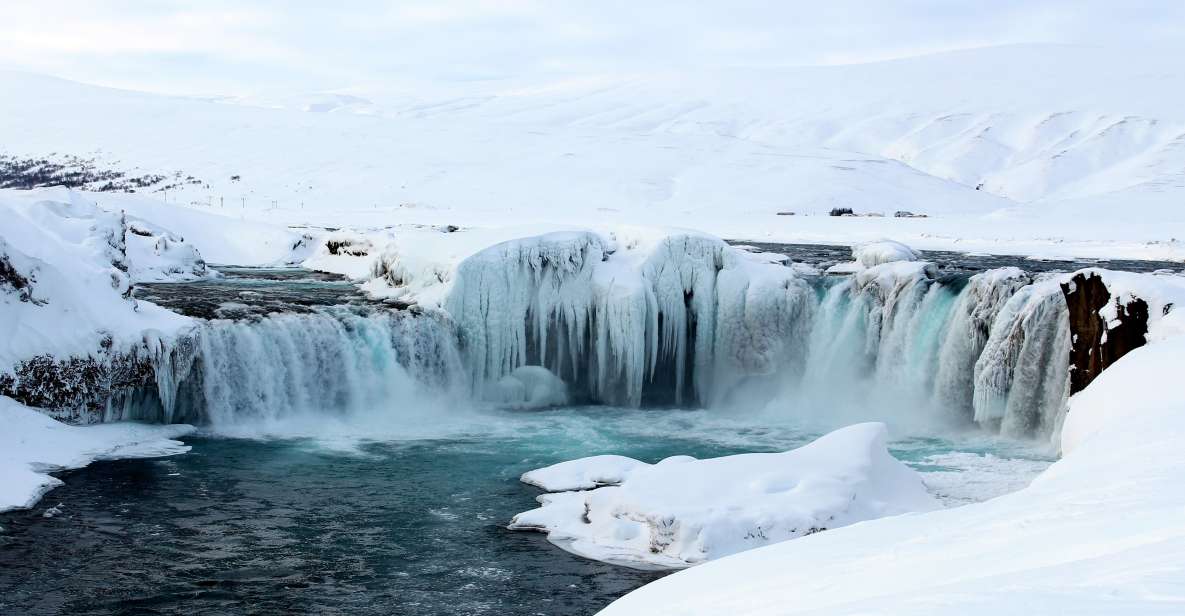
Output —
(244, 47)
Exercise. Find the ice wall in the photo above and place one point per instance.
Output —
(677, 319)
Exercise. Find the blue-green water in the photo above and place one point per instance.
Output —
(347, 525)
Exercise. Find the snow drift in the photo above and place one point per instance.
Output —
(682, 511)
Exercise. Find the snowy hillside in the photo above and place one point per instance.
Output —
(1007, 149)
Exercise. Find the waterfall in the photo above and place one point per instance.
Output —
(1022, 377)
(337, 361)
(683, 320)
(688, 320)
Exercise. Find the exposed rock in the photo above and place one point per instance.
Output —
(14, 280)
(1097, 344)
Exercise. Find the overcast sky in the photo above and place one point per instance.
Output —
(245, 47)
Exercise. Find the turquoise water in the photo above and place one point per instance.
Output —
(409, 523)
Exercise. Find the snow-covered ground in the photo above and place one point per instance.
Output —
(1050, 150)
(75, 264)
(682, 511)
(1099, 532)
(33, 445)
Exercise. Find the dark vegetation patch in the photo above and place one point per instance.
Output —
(82, 173)
(78, 389)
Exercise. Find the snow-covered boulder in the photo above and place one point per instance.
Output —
(682, 511)
(155, 254)
(529, 387)
(872, 254)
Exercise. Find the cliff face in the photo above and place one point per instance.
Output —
(1096, 343)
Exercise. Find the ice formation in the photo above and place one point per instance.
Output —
(1022, 377)
(529, 387)
(680, 317)
(335, 361)
(682, 511)
(968, 331)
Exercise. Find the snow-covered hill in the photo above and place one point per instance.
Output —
(1040, 149)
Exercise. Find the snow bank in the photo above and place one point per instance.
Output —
(1142, 383)
(33, 445)
(682, 511)
(1099, 532)
(79, 262)
(221, 237)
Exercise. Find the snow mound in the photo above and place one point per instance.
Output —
(583, 474)
(33, 445)
(682, 511)
(871, 254)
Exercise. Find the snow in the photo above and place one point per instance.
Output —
(32, 445)
(682, 511)
(1099, 532)
(583, 474)
(871, 254)
(1140, 387)
(80, 264)
(1061, 161)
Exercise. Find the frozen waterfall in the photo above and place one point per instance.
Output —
(678, 319)
(687, 320)
(341, 361)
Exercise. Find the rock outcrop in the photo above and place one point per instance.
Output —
(1096, 344)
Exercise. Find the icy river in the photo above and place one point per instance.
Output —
(400, 526)
(387, 508)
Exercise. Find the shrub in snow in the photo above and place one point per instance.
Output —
(682, 511)
(841, 211)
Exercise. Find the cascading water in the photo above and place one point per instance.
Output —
(339, 361)
(336, 361)
(693, 321)
(688, 321)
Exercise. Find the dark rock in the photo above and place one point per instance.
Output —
(1094, 346)
(14, 280)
